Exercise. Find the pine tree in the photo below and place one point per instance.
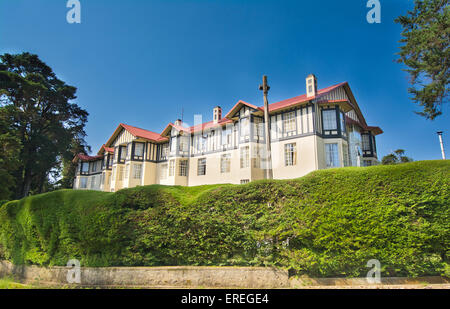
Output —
(425, 51)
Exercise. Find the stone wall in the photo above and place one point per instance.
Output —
(189, 276)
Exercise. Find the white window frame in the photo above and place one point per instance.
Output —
(290, 154)
(332, 158)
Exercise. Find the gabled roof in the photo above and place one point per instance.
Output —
(85, 158)
(136, 132)
(104, 149)
(168, 128)
(302, 98)
(238, 106)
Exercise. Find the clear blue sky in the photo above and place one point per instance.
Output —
(141, 62)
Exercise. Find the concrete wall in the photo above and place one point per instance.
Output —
(190, 276)
(176, 276)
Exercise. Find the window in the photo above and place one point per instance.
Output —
(367, 163)
(256, 157)
(173, 143)
(183, 167)
(212, 136)
(83, 182)
(121, 168)
(184, 143)
(85, 167)
(137, 171)
(164, 151)
(332, 155)
(290, 154)
(139, 151)
(343, 128)
(244, 181)
(226, 136)
(245, 156)
(365, 139)
(289, 122)
(258, 128)
(163, 171)
(129, 151)
(201, 166)
(329, 119)
(171, 168)
(94, 166)
(123, 153)
(245, 127)
(225, 163)
(345, 157)
(127, 171)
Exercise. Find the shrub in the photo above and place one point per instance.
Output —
(328, 223)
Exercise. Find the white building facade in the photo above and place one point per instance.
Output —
(321, 129)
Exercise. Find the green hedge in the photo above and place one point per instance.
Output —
(328, 223)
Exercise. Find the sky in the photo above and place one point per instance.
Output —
(144, 62)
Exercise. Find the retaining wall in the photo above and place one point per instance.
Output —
(188, 276)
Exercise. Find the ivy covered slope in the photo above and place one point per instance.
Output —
(328, 223)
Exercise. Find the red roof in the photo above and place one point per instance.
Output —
(85, 158)
(302, 98)
(138, 132)
(210, 124)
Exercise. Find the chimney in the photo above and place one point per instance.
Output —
(311, 85)
(217, 114)
(178, 122)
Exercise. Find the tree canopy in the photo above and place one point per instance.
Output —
(398, 156)
(425, 51)
(37, 111)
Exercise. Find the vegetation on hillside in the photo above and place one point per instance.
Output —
(328, 223)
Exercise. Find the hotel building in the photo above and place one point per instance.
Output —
(320, 129)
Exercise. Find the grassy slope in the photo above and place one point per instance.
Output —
(329, 223)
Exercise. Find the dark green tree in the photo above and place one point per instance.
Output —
(41, 114)
(398, 156)
(425, 51)
(9, 156)
(68, 168)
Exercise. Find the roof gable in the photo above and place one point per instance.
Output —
(136, 132)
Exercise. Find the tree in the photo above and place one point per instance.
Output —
(426, 37)
(398, 156)
(41, 115)
(68, 167)
(9, 158)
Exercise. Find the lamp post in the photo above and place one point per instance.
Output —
(439, 133)
(265, 88)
